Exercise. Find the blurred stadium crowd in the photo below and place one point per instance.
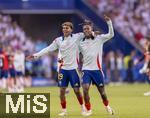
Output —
(14, 38)
(130, 17)
(117, 67)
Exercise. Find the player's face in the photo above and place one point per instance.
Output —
(66, 30)
(87, 29)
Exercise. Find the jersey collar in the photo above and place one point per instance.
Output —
(90, 37)
(63, 38)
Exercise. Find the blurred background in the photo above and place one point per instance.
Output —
(31, 25)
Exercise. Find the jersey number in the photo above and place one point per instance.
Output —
(60, 76)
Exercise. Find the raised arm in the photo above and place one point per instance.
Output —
(110, 34)
(53, 46)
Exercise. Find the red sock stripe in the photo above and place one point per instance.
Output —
(106, 102)
(63, 104)
(88, 106)
(80, 99)
(98, 63)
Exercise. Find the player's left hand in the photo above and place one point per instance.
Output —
(106, 18)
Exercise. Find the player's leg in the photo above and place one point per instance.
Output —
(12, 81)
(102, 92)
(4, 77)
(78, 95)
(148, 80)
(80, 98)
(10, 84)
(75, 83)
(0, 78)
(86, 88)
(63, 101)
(19, 81)
(98, 78)
(145, 68)
(86, 81)
(148, 69)
(63, 84)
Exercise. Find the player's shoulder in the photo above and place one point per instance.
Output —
(78, 34)
(58, 39)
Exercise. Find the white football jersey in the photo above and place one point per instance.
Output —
(68, 49)
(59, 64)
(19, 62)
(92, 49)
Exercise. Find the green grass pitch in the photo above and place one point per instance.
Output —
(127, 101)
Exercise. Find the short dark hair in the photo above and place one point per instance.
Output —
(87, 22)
(67, 24)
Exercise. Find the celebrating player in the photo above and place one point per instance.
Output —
(68, 49)
(91, 48)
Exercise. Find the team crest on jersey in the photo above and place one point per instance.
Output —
(76, 84)
(60, 76)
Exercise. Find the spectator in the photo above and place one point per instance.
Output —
(131, 17)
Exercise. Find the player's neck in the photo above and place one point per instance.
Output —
(89, 37)
(66, 36)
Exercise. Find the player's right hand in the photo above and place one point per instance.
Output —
(30, 58)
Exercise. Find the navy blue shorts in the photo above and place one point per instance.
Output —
(3, 73)
(12, 72)
(93, 76)
(66, 76)
(19, 73)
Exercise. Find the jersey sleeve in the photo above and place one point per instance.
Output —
(109, 35)
(52, 47)
(79, 36)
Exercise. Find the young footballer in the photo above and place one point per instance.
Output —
(68, 49)
(91, 47)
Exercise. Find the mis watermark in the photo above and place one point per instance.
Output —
(25, 105)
